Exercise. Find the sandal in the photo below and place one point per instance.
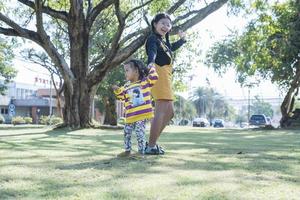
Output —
(157, 150)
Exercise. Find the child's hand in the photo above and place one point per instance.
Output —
(181, 34)
(150, 65)
(115, 87)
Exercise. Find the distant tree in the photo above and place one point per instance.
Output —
(259, 106)
(241, 116)
(106, 97)
(211, 104)
(184, 109)
(269, 48)
(7, 72)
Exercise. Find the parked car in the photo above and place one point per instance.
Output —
(183, 122)
(200, 122)
(218, 123)
(259, 120)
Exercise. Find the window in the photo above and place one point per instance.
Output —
(4, 111)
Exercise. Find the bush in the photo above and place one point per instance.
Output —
(44, 120)
(2, 119)
(28, 120)
(121, 121)
(55, 120)
(17, 120)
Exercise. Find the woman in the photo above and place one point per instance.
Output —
(159, 52)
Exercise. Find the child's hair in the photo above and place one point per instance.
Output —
(158, 17)
(139, 65)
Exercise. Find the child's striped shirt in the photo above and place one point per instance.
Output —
(137, 97)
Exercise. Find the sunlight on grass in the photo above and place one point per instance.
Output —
(41, 163)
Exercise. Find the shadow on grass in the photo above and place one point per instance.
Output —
(254, 151)
(20, 127)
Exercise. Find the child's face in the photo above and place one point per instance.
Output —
(131, 73)
(163, 26)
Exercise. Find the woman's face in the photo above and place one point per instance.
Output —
(163, 26)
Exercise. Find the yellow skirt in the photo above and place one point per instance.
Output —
(162, 89)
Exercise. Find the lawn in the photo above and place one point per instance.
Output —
(39, 163)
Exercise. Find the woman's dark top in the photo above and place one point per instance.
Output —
(156, 53)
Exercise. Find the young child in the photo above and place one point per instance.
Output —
(138, 105)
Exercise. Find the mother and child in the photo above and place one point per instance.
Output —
(147, 82)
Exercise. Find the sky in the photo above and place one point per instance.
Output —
(213, 28)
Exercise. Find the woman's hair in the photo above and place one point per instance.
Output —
(156, 19)
(138, 65)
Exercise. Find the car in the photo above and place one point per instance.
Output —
(200, 122)
(259, 120)
(218, 123)
(183, 122)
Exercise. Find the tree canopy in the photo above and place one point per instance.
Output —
(85, 39)
(268, 48)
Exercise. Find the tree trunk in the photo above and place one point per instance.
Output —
(78, 100)
(77, 112)
(287, 103)
(286, 107)
(110, 112)
(59, 108)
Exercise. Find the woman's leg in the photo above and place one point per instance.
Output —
(163, 113)
(169, 115)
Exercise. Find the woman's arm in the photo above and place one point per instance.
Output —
(176, 45)
(179, 43)
(151, 49)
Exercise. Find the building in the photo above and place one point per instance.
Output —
(22, 99)
(33, 100)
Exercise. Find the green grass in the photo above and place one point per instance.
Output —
(39, 163)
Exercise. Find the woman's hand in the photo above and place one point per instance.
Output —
(115, 87)
(181, 34)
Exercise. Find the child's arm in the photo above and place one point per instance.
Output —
(119, 92)
(152, 76)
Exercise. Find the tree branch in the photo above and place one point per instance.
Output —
(45, 9)
(136, 8)
(16, 30)
(175, 6)
(201, 14)
(39, 19)
(43, 41)
(121, 56)
(115, 41)
(96, 11)
(9, 32)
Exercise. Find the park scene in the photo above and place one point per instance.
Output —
(149, 99)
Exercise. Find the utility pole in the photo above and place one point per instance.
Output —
(50, 103)
(250, 85)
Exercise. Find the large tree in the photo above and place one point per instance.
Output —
(269, 48)
(80, 69)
